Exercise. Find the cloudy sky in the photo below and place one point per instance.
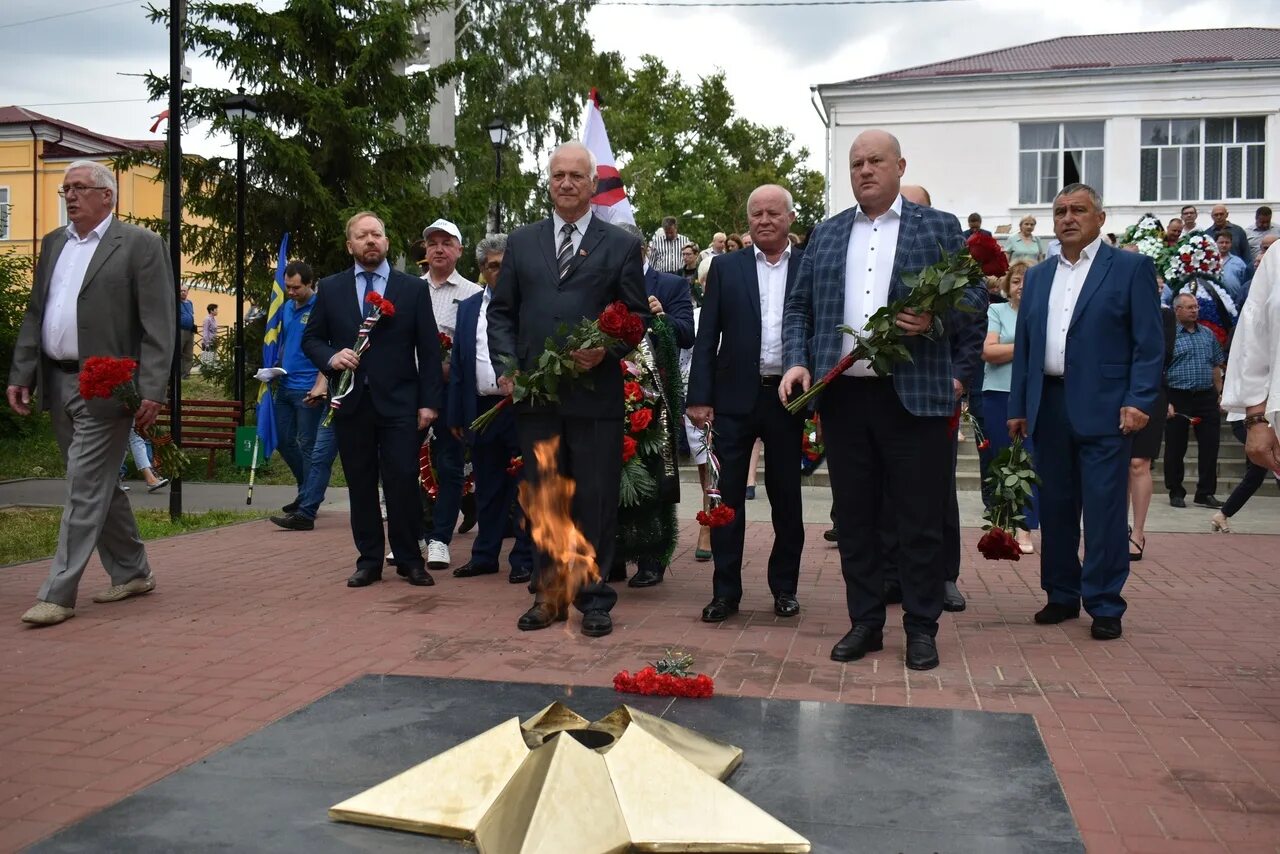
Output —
(76, 66)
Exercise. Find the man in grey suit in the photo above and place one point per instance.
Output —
(101, 288)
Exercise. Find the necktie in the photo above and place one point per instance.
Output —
(565, 254)
(368, 289)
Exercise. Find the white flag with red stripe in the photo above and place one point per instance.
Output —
(610, 202)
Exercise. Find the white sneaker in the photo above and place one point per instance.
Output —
(437, 555)
(47, 614)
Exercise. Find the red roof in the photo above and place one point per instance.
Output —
(1116, 50)
(23, 116)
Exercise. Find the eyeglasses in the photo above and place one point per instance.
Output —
(493, 265)
(75, 189)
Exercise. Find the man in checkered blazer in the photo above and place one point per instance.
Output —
(888, 438)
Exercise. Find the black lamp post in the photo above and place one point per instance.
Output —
(499, 133)
(240, 107)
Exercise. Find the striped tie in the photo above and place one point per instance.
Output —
(565, 254)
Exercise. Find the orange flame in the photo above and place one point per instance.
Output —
(547, 501)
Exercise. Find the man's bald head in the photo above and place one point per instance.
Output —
(917, 195)
(876, 167)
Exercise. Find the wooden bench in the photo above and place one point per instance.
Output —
(207, 425)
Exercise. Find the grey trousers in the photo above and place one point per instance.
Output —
(97, 512)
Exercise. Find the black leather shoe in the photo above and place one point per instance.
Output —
(922, 652)
(418, 576)
(1209, 501)
(597, 624)
(471, 569)
(1106, 628)
(290, 508)
(294, 522)
(364, 577)
(539, 616)
(468, 513)
(892, 593)
(859, 641)
(519, 575)
(645, 578)
(786, 605)
(952, 598)
(719, 610)
(1056, 612)
(829, 535)
(1177, 501)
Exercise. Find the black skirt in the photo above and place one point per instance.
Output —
(1146, 442)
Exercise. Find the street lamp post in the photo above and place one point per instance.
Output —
(238, 108)
(499, 133)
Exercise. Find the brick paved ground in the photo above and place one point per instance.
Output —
(1165, 741)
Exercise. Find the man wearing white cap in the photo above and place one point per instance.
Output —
(443, 243)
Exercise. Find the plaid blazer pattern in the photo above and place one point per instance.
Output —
(815, 306)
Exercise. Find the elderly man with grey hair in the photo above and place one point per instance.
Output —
(101, 288)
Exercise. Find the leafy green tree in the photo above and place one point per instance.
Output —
(15, 290)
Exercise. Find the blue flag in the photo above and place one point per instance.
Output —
(267, 438)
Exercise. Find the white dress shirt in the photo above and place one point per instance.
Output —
(59, 332)
(446, 296)
(1068, 280)
(868, 269)
(380, 277)
(486, 378)
(773, 293)
(1253, 371)
(580, 230)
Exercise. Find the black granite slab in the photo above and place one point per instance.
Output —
(849, 777)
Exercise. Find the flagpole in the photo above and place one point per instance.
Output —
(253, 469)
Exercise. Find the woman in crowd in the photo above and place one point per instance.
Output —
(1025, 246)
(1146, 444)
(142, 461)
(733, 242)
(997, 352)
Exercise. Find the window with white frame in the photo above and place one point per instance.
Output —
(1191, 160)
(1052, 155)
(4, 213)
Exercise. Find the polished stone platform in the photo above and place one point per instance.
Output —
(849, 777)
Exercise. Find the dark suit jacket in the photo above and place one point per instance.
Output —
(399, 383)
(126, 310)
(1115, 345)
(461, 410)
(725, 372)
(677, 303)
(531, 303)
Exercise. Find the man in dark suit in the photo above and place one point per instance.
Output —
(1087, 365)
(975, 226)
(397, 391)
(558, 272)
(473, 390)
(102, 288)
(887, 437)
(733, 383)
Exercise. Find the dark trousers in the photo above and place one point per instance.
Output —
(977, 410)
(590, 454)
(496, 491)
(1254, 475)
(446, 456)
(782, 433)
(996, 425)
(888, 468)
(372, 446)
(1086, 475)
(1202, 404)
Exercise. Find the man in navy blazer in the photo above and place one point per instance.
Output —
(669, 294)
(733, 385)
(888, 442)
(473, 390)
(1087, 365)
(556, 273)
(398, 390)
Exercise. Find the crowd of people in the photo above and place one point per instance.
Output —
(1064, 348)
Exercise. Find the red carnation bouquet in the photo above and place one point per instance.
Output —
(718, 514)
(107, 378)
(446, 347)
(936, 289)
(671, 676)
(615, 325)
(1010, 478)
(382, 307)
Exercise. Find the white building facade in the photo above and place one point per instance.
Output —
(1001, 133)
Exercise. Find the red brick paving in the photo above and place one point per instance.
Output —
(1165, 741)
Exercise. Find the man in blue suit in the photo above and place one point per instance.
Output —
(887, 437)
(737, 365)
(473, 390)
(1087, 364)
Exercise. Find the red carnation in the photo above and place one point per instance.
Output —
(717, 517)
(516, 466)
(374, 298)
(445, 341)
(628, 448)
(984, 444)
(1195, 419)
(386, 308)
(104, 377)
(641, 419)
(999, 544)
(632, 391)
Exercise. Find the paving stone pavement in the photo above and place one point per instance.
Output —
(1165, 741)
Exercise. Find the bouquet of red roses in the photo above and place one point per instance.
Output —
(615, 325)
(671, 676)
(1010, 478)
(382, 307)
(446, 347)
(718, 514)
(110, 378)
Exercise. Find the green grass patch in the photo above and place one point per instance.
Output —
(30, 533)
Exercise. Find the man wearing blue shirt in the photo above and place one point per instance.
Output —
(1194, 379)
(300, 392)
(1235, 272)
(187, 324)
